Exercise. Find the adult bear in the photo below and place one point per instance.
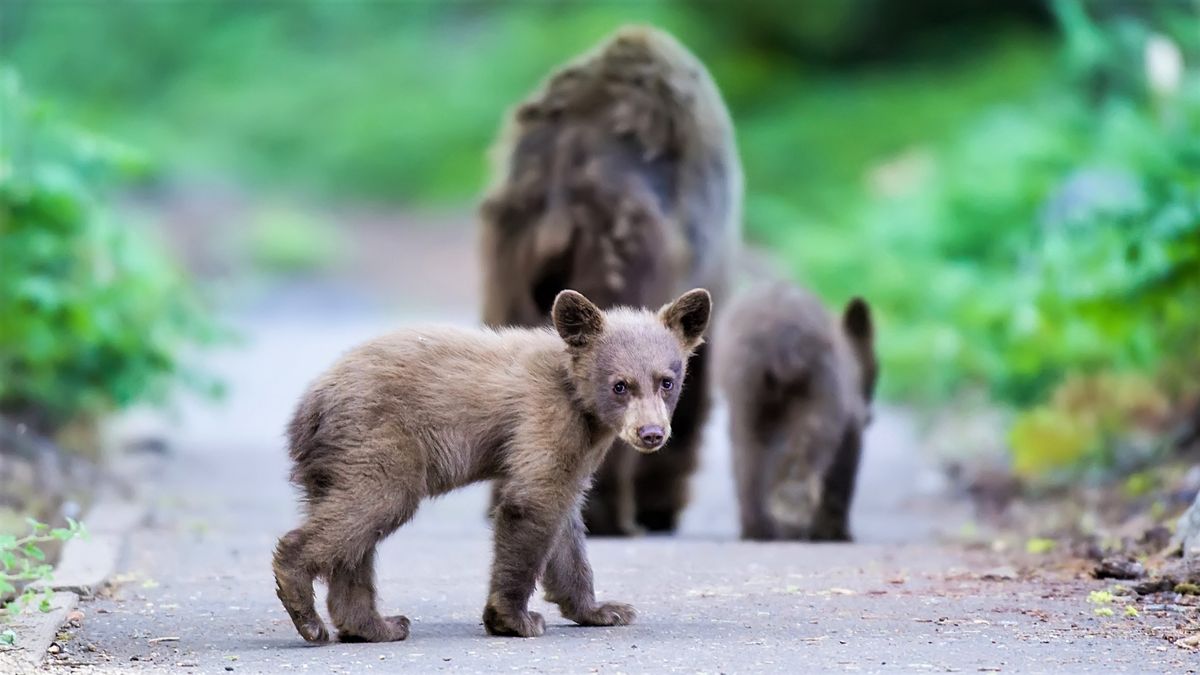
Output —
(618, 178)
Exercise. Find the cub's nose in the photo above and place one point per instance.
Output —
(651, 436)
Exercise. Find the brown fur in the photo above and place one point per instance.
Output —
(423, 411)
(799, 386)
(619, 178)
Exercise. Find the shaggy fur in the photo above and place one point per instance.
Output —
(423, 411)
(799, 386)
(618, 178)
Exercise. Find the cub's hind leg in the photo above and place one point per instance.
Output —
(352, 605)
(351, 570)
(294, 585)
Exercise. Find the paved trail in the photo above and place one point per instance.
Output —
(898, 601)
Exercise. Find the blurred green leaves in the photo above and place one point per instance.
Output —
(1019, 205)
(93, 316)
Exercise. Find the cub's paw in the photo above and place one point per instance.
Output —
(608, 614)
(312, 630)
(513, 624)
(397, 627)
(387, 629)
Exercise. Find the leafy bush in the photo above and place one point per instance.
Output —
(1048, 237)
(93, 316)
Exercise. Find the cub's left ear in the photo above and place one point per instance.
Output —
(577, 320)
(687, 317)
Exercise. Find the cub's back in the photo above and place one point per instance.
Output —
(429, 374)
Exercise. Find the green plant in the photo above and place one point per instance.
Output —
(94, 316)
(22, 561)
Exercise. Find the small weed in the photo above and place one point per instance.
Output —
(1187, 588)
(1039, 546)
(22, 561)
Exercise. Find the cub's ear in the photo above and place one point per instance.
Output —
(687, 317)
(578, 321)
(860, 332)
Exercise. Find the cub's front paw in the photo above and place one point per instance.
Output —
(607, 614)
(513, 624)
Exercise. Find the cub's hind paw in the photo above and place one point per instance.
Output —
(313, 630)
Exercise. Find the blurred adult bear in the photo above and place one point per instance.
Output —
(618, 178)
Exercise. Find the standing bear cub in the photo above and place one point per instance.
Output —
(420, 412)
(799, 386)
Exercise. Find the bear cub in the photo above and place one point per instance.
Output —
(421, 412)
(799, 386)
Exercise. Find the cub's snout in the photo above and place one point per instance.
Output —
(651, 436)
(647, 423)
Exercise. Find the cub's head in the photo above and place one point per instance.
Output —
(628, 365)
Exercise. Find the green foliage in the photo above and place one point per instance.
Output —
(93, 315)
(22, 561)
(1050, 236)
(398, 101)
(391, 101)
(1021, 214)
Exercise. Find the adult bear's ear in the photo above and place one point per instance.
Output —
(688, 316)
(578, 321)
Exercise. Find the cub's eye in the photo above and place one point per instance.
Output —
(620, 388)
(667, 384)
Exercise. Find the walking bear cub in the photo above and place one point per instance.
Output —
(423, 411)
(618, 177)
(799, 386)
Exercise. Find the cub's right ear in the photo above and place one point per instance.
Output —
(859, 329)
(577, 320)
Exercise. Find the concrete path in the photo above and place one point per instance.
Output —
(198, 596)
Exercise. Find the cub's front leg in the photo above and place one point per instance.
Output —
(568, 581)
(527, 518)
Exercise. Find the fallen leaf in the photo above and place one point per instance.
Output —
(1039, 546)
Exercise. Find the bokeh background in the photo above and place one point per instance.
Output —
(1015, 186)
